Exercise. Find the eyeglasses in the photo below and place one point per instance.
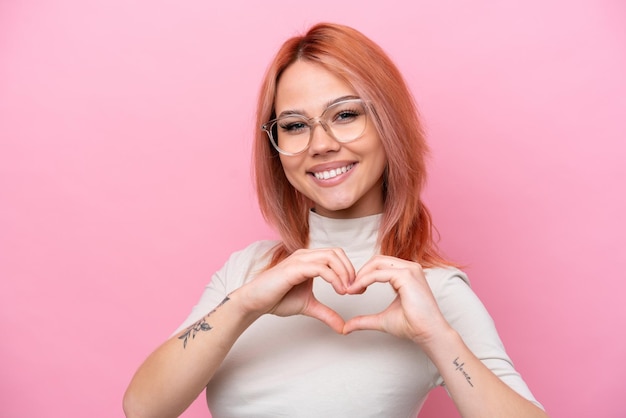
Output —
(344, 121)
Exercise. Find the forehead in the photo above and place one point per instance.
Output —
(308, 88)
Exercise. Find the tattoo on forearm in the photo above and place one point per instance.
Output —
(459, 367)
(201, 325)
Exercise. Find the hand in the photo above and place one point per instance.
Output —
(413, 314)
(286, 289)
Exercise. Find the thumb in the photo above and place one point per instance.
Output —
(363, 322)
(319, 311)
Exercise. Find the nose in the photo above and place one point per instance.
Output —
(322, 140)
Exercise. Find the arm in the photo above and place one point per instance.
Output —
(416, 315)
(475, 390)
(175, 374)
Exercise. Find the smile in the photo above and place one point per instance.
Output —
(329, 174)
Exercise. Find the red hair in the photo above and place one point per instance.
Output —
(406, 229)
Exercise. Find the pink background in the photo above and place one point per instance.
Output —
(125, 130)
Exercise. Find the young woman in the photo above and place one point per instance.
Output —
(353, 313)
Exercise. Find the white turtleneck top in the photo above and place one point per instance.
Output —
(298, 367)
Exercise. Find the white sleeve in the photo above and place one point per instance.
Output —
(241, 267)
(469, 317)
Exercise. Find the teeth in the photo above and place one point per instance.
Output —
(325, 175)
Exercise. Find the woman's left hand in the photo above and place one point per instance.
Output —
(413, 314)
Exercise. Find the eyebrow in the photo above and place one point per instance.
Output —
(302, 112)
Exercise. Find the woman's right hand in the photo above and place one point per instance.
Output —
(174, 374)
(287, 288)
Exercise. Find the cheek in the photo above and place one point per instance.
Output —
(290, 168)
(379, 156)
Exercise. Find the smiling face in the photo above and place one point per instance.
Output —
(344, 180)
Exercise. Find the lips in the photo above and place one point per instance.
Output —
(334, 172)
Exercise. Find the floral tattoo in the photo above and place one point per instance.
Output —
(201, 325)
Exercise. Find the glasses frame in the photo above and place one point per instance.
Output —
(312, 122)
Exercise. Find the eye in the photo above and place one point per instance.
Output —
(346, 116)
(293, 127)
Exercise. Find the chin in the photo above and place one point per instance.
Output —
(335, 206)
(336, 210)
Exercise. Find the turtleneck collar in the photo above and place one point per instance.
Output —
(356, 235)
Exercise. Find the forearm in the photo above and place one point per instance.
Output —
(475, 390)
(175, 374)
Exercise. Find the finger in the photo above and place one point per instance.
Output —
(363, 322)
(337, 261)
(347, 266)
(363, 281)
(316, 265)
(398, 278)
(329, 276)
(340, 271)
(319, 311)
(383, 262)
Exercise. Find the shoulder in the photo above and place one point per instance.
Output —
(451, 288)
(458, 303)
(256, 250)
(439, 277)
(244, 264)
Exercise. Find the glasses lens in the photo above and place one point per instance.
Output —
(346, 120)
(291, 134)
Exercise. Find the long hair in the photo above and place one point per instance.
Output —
(406, 229)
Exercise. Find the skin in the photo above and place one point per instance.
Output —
(308, 89)
(175, 374)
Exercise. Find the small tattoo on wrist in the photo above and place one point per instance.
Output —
(459, 367)
(201, 325)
